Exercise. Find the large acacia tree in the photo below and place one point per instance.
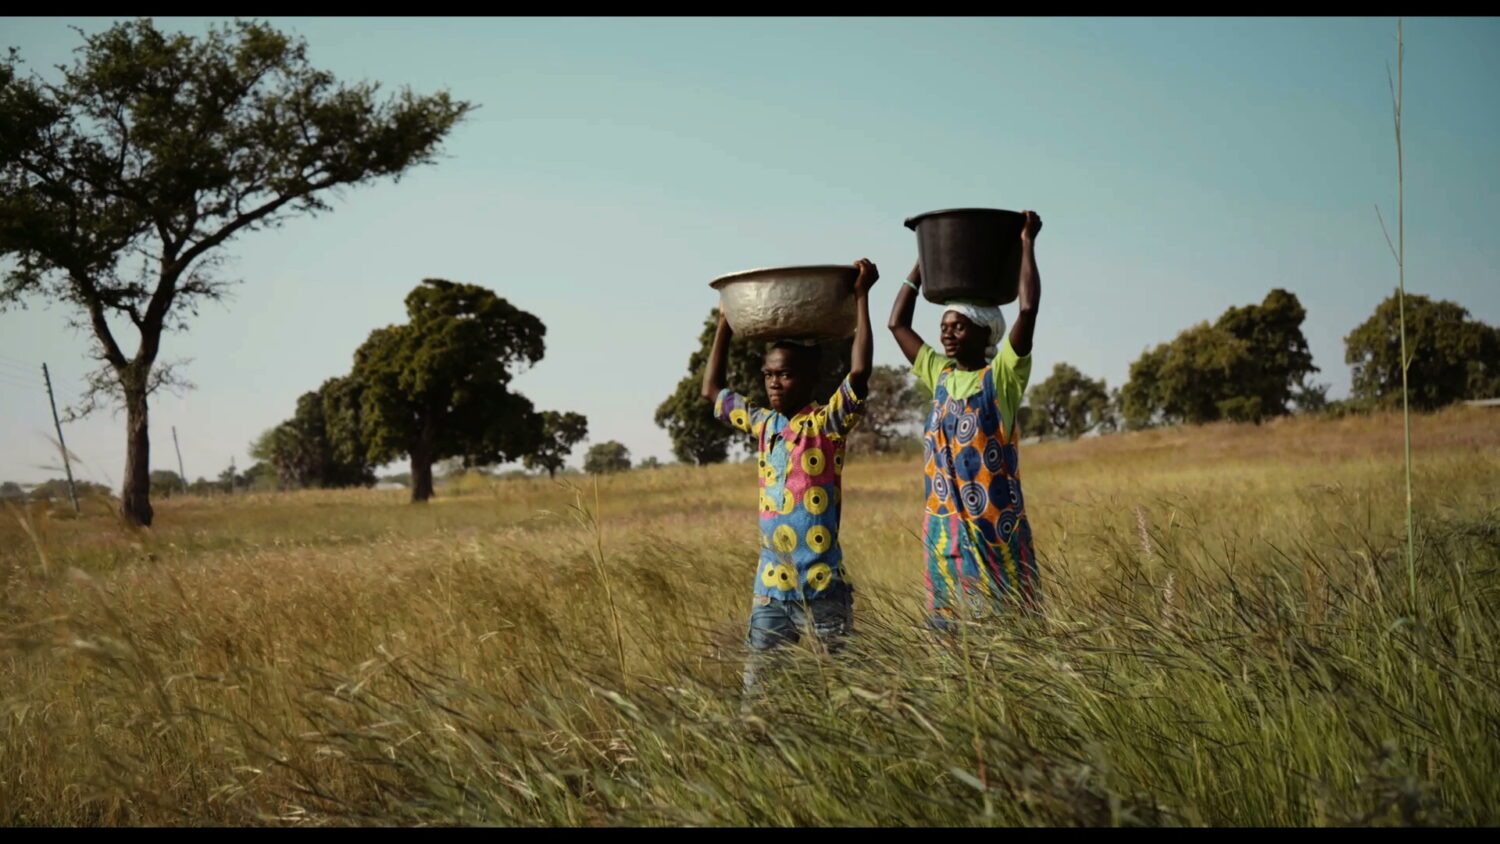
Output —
(439, 386)
(119, 182)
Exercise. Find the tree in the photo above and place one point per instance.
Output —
(697, 437)
(1453, 357)
(607, 457)
(321, 445)
(1112, 418)
(1246, 366)
(560, 432)
(11, 489)
(1140, 398)
(1311, 398)
(118, 184)
(58, 488)
(165, 483)
(896, 405)
(649, 463)
(1069, 403)
(1276, 371)
(1182, 381)
(438, 386)
(260, 476)
(232, 481)
(347, 461)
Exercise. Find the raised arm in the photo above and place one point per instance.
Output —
(901, 312)
(863, 353)
(718, 360)
(1030, 294)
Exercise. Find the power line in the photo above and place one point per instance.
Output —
(27, 373)
(22, 385)
(14, 369)
(18, 366)
(17, 363)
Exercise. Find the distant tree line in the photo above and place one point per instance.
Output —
(1249, 365)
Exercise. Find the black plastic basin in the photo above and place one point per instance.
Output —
(969, 253)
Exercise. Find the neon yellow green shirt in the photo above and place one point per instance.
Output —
(1010, 371)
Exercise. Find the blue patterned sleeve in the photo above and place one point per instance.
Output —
(844, 410)
(737, 412)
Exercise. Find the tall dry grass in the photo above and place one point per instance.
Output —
(1228, 641)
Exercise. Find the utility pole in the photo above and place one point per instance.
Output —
(181, 473)
(67, 466)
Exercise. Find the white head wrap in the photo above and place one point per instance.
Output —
(984, 316)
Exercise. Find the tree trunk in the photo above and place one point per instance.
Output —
(421, 473)
(135, 499)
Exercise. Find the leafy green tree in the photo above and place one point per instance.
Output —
(607, 457)
(261, 476)
(895, 409)
(439, 385)
(321, 445)
(649, 463)
(118, 184)
(1068, 403)
(560, 432)
(1280, 362)
(166, 483)
(1113, 417)
(1140, 398)
(1453, 356)
(57, 488)
(347, 461)
(699, 438)
(11, 489)
(1246, 366)
(230, 480)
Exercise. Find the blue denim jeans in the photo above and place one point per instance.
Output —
(829, 618)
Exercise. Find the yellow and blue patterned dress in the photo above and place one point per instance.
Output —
(801, 463)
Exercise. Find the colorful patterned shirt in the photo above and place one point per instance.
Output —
(1008, 374)
(801, 463)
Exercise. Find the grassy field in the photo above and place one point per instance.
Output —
(1229, 640)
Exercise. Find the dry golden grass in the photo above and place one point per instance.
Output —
(1229, 640)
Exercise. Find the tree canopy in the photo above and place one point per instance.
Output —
(1453, 356)
(119, 183)
(439, 385)
(1246, 366)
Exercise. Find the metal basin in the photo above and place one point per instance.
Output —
(790, 303)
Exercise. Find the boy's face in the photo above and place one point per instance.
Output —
(962, 339)
(788, 384)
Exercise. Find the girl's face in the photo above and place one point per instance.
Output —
(962, 339)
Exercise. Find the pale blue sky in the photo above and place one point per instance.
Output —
(616, 166)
